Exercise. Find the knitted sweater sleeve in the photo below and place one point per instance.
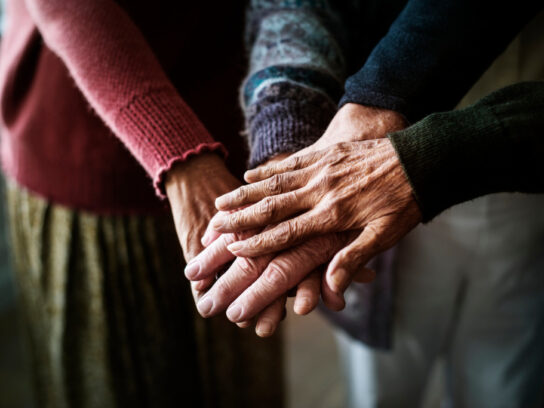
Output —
(433, 53)
(116, 70)
(296, 74)
(495, 145)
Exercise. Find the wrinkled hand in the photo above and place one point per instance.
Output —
(349, 186)
(192, 187)
(258, 286)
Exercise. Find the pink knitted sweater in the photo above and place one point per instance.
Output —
(83, 83)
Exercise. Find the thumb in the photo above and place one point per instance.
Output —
(349, 263)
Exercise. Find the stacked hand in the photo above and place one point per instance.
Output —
(339, 202)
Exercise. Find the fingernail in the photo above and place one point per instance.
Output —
(264, 329)
(205, 306)
(340, 279)
(235, 246)
(302, 306)
(234, 313)
(192, 269)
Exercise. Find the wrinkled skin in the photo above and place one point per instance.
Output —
(254, 290)
(192, 187)
(349, 186)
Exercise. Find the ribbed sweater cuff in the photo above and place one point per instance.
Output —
(162, 131)
(443, 156)
(287, 126)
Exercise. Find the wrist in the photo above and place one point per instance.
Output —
(196, 167)
(354, 122)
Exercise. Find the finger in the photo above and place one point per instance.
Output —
(332, 300)
(295, 162)
(196, 292)
(353, 258)
(214, 257)
(308, 292)
(263, 213)
(282, 236)
(211, 259)
(203, 284)
(270, 318)
(210, 235)
(284, 272)
(245, 324)
(251, 193)
(241, 274)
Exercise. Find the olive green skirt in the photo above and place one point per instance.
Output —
(111, 321)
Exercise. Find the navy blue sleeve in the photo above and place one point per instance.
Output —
(434, 52)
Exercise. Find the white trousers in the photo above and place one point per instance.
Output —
(470, 288)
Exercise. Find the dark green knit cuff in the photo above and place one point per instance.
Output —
(446, 157)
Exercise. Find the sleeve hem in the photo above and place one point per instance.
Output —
(158, 180)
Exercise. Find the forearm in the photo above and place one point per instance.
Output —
(297, 70)
(492, 146)
(434, 52)
(116, 70)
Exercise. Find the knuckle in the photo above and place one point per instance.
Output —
(273, 185)
(258, 241)
(276, 276)
(248, 268)
(375, 236)
(222, 290)
(326, 179)
(234, 219)
(241, 194)
(295, 162)
(334, 212)
(266, 207)
(285, 233)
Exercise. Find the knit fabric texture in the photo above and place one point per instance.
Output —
(424, 62)
(495, 145)
(296, 72)
(434, 52)
(84, 83)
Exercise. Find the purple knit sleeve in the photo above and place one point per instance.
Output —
(297, 70)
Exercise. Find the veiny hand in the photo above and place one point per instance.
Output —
(355, 122)
(349, 186)
(244, 272)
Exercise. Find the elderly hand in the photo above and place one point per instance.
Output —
(247, 279)
(192, 187)
(348, 186)
(258, 286)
